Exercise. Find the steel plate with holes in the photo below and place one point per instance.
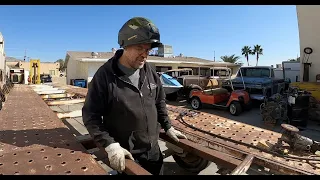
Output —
(237, 131)
(34, 141)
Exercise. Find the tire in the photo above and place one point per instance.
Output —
(235, 108)
(191, 163)
(195, 103)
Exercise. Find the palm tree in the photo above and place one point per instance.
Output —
(231, 59)
(257, 50)
(246, 51)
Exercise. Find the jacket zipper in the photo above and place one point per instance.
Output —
(142, 102)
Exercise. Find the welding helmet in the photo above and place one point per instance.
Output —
(139, 30)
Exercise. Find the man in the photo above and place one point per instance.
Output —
(125, 105)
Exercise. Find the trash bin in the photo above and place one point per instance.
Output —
(80, 83)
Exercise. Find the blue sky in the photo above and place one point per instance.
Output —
(47, 32)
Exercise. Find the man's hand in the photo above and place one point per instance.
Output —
(175, 135)
(116, 156)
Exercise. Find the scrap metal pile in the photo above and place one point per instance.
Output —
(293, 107)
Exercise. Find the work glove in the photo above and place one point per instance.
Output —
(116, 156)
(175, 135)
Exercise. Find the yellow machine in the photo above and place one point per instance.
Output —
(35, 71)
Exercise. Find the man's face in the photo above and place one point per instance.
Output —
(137, 55)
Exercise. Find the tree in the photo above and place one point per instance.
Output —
(61, 62)
(231, 59)
(246, 51)
(257, 50)
(297, 59)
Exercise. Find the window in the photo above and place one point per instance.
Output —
(255, 72)
(52, 72)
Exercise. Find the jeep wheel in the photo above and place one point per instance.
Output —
(235, 108)
(191, 163)
(195, 103)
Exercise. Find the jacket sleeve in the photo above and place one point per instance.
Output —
(163, 117)
(95, 104)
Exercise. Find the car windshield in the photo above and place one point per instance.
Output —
(182, 73)
(255, 72)
(220, 72)
(45, 76)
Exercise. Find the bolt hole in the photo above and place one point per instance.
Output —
(30, 161)
(48, 167)
(233, 134)
(15, 162)
(59, 154)
(223, 131)
(67, 144)
(78, 160)
(15, 154)
(55, 147)
(254, 140)
(16, 173)
(45, 158)
(37, 134)
(237, 131)
(63, 163)
(28, 152)
(68, 172)
(1, 164)
(243, 137)
(84, 168)
(300, 164)
(250, 131)
(72, 152)
(41, 150)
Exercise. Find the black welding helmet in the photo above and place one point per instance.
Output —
(139, 30)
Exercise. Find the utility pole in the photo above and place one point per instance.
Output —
(214, 56)
(25, 55)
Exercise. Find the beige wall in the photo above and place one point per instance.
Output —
(45, 67)
(309, 35)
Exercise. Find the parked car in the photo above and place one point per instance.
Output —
(45, 78)
(258, 81)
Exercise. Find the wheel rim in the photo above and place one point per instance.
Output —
(233, 109)
(195, 103)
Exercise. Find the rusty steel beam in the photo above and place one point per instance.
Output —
(132, 168)
(244, 166)
(203, 152)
